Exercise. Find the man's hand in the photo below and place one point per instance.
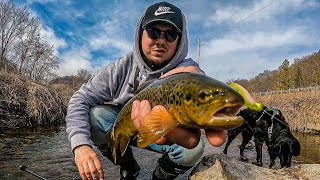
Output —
(216, 137)
(188, 138)
(88, 162)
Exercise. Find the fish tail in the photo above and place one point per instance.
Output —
(109, 138)
(124, 141)
(119, 145)
(114, 153)
(113, 144)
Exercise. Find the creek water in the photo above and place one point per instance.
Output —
(46, 151)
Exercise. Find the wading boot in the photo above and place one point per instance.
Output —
(129, 167)
(167, 169)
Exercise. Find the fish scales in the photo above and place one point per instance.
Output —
(191, 100)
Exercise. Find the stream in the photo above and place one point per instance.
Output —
(46, 151)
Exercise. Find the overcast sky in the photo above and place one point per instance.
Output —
(239, 38)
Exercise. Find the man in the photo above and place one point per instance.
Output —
(160, 48)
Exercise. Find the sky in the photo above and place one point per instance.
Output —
(238, 38)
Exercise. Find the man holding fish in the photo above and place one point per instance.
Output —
(160, 50)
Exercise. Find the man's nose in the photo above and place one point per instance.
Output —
(161, 39)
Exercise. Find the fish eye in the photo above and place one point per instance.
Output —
(204, 96)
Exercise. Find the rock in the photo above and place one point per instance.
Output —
(220, 166)
(2, 145)
(207, 174)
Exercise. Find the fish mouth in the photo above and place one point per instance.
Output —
(227, 112)
(226, 118)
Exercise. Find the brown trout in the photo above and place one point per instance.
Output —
(191, 100)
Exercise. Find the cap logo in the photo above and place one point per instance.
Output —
(162, 10)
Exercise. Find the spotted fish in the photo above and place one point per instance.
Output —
(191, 100)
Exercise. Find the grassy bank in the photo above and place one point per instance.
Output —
(301, 109)
(24, 103)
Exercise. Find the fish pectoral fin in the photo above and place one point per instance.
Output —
(156, 123)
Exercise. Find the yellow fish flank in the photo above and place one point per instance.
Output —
(192, 101)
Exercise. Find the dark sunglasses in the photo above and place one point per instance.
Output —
(154, 33)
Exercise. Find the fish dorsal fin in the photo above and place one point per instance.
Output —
(177, 73)
(148, 82)
(156, 123)
(144, 85)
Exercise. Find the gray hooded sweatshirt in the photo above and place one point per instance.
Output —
(117, 83)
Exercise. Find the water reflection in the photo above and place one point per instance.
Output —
(310, 148)
(43, 150)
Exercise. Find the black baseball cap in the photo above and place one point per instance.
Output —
(163, 12)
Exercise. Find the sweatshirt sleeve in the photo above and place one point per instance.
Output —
(99, 89)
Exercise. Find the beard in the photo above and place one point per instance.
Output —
(156, 64)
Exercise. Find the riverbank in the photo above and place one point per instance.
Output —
(24, 103)
(301, 109)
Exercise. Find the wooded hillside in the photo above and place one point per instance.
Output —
(303, 72)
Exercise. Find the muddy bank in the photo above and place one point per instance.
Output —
(223, 167)
(216, 165)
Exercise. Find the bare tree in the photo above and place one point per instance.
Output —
(43, 63)
(13, 22)
(83, 76)
(23, 49)
(23, 45)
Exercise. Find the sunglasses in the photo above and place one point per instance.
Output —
(169, 35)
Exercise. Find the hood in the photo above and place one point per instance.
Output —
(179, 56)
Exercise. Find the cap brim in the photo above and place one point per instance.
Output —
(165, 21)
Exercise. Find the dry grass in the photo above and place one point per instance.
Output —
(24, 103)
(301, 109)
(65, 91)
